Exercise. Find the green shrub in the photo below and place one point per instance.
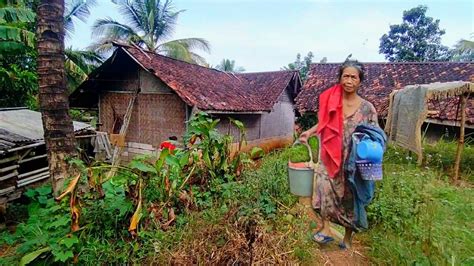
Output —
(307, 120)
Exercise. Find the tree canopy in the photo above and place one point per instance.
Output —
(79, 63)
(228, 65)
(150, 25)
(417, 38)
(302, 65)
(18, 77)
(463, 51)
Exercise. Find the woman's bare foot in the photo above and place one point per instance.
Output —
(347, 241)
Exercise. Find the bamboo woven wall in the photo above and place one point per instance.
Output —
(155, 117)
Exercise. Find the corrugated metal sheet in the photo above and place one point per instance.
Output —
(26, 125)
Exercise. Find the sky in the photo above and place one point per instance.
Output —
(265, 35)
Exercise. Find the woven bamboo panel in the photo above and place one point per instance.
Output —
(114, 105)
(161, 116)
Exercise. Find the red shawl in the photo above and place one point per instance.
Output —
(330, 128)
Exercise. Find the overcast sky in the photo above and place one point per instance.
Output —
(265, 35)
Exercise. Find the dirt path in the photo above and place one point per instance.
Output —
(331, 254)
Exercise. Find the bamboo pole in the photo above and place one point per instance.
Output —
(33, 158)
(33, 172)
(123, 131)
(9, 168)
(9, 159)
(461, 137)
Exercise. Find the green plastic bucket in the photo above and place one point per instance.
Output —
(301, 178)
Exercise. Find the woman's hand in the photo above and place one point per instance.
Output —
(308, 133)
(304, 137)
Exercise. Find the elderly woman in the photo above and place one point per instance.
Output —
(341, 110)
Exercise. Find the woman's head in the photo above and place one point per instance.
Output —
(351, 74)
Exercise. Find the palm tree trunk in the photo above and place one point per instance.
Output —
(54, 104)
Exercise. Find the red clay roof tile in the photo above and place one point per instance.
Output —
(382, 78)
(211, 89)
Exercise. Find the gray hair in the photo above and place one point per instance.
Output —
(352, 63)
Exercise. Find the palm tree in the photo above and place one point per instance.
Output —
(15, 35)
(229, 66)
(149, 24)
(53, 98)
(79, 63)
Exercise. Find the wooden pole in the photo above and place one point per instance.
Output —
(123, 131)
(461, 137)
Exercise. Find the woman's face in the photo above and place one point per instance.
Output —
(350, 80)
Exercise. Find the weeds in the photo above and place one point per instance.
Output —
(418, 218)
(169, 204)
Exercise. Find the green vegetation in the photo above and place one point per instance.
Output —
(417, 38)
(439, 156)
(300, 152)
(417, 216)
(18, 79)
(183, 207)
(228, 65)
(149, 25)
(18, 55)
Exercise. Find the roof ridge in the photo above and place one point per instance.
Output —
(174, 59)
(399, 63)
(267, 72)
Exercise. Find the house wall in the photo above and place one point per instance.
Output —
(123, 81)
(434, 132)
(155, 117)
(250, 121)
(280, 121)
(150, 84)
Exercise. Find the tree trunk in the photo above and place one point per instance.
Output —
(53, 98)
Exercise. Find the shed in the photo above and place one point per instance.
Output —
(408, 109)
(23, 158)
(169, 91)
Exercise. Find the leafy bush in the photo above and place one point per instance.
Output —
(307, 120)
(46, 231)
(149, 194)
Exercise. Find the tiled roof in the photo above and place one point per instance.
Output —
(211, 89)
(382, 78)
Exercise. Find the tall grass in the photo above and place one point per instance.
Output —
(439, 156)
(417, 216)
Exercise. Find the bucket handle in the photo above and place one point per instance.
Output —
(308, 147)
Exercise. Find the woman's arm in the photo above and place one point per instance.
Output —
(308, 133)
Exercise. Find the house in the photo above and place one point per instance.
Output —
(169, 91)
(382, 78)
(23, 158)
